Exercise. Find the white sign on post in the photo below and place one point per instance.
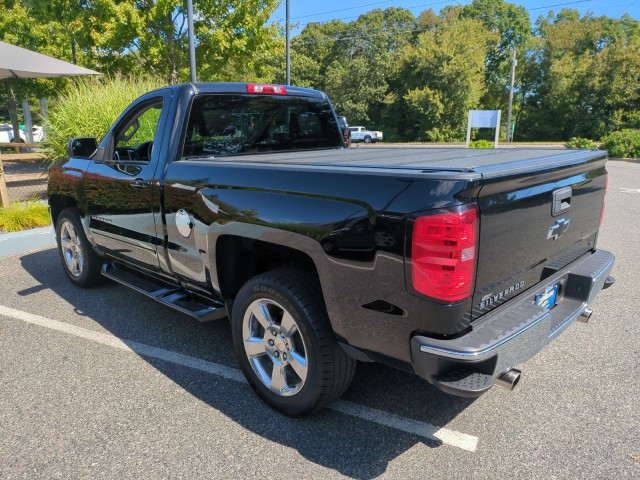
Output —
(484, 119)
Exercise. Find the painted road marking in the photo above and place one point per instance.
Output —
(420, 429)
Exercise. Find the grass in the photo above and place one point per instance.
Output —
(24, 216)
(89, 107)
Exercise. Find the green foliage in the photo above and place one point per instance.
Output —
(577, 143)
(23, 216)
(583, 77)
(147, 37)
(415, 75)
(352, 60)
(512, 25)
(89, 108)
(481, 144)
(623, 144)
(438, 80)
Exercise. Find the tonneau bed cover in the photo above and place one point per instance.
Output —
(487, 161)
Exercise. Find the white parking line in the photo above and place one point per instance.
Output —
(420, 429)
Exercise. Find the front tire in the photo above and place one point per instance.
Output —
(285, 345)
(79, 260)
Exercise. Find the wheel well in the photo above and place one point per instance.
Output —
(58, 203)
(239, 258)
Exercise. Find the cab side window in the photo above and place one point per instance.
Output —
(135, 138)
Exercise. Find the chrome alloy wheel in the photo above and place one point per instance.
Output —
(71, 249)
(274, 346)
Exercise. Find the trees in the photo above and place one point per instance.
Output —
(142, 37)
(353, 59)
(512, 26)
(438, 80)
(586, 81)
(146, 36)
(412, 76)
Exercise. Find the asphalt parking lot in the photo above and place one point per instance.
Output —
(104, 383)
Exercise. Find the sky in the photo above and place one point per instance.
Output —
(304, 11)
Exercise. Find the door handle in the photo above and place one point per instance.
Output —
(139, 183)
(561, 201)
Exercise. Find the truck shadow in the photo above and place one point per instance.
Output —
(351, 446)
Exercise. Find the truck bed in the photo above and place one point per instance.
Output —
(489, 162)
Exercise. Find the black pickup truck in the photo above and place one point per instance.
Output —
(240, 201)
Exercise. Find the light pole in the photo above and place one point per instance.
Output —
(514, 62)
(192, 46)
(288, 41)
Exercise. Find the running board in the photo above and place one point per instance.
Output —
(173, 296)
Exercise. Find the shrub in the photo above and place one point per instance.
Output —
(24, 215)
(481, 144)
(623, 144)
(577, 143)
(89, 108)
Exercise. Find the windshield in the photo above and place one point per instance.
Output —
(222, 125)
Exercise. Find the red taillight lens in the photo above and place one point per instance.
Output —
(443, 251)
(346, 133)
(604, 200)
(266, 89)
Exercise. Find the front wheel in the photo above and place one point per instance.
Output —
(285, 346)
(80, 262)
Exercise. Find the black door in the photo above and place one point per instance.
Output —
(122, 192)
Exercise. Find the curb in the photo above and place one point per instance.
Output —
(26, 240)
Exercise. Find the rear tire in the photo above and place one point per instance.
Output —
(284, 343)
(79, 260)
(367, 139)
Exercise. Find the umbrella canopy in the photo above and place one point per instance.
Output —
(17, 62)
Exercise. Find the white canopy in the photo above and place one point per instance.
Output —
(17, 62)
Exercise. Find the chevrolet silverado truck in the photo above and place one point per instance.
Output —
(239, 201)
(361, 134)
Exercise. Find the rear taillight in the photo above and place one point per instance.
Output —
(443, 250)
(266, 89)
(604, 200)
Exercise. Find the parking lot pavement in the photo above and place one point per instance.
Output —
(104, 383)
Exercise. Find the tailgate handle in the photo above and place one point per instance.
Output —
(561, 201)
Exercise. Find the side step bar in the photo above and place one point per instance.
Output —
(173, 296)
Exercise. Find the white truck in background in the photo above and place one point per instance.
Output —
(361, 134)
(6, 133)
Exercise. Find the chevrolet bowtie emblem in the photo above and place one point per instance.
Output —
(558, 229)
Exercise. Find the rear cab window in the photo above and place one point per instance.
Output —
(237, 124)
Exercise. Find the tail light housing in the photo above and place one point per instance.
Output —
(444, 247)
(606, 191)
(346, 134)
(266, 89)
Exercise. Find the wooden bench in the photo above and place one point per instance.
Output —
(16, 157)
(22, 157)
(18, 146)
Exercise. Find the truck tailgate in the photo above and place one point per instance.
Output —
(535, 218)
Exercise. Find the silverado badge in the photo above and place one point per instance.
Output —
(491, 298)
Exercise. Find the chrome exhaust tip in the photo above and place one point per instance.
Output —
(610, 280)
(509, 379)
(585, 315)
